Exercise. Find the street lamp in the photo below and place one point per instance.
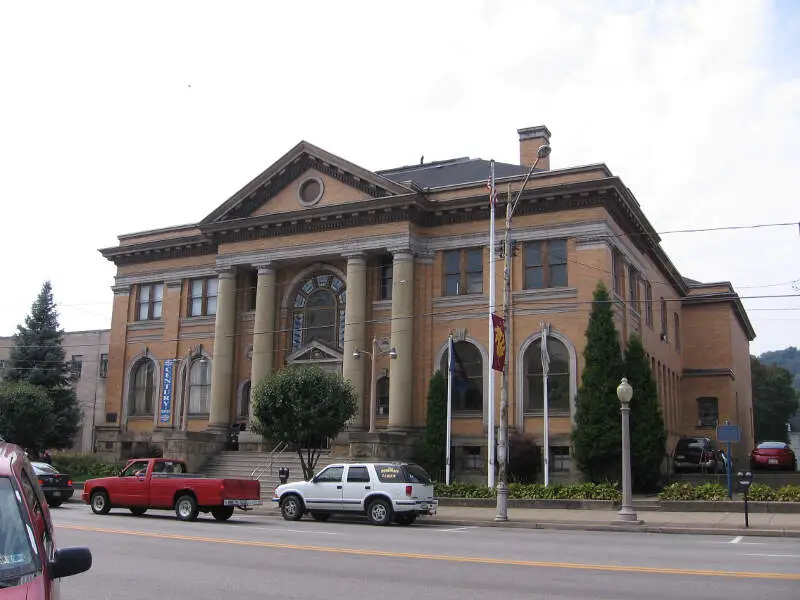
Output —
(373, 393)
(502, 442)
(625, 393)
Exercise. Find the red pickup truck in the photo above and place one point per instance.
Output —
(164, 484)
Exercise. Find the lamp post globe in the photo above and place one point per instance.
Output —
(624, 391)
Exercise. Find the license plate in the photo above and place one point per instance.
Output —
(424, 506)
(680, 457)
(56, 494)
(242, 502)
(773, 461)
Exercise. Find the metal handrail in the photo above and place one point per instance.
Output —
(262, 467)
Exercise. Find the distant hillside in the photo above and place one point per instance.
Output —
(788, 358)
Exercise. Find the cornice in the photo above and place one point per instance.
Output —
(166, 275)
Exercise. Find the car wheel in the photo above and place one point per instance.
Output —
(380, 512)
(137, 511)
(222, 513)
(186, 508)
(405, 518)
(317, 516)
(99, 502)
(292, 508)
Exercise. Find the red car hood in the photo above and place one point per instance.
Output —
(31, 590)
(98, 481)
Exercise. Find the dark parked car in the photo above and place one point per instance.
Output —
(56, 486)
(773, 455)
(32, 563)
(698, 454)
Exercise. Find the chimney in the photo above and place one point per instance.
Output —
(530, 138)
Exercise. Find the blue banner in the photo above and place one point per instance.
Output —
(166, 392)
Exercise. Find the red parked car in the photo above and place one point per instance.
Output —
(30, 562)
(773, 455)
(164, 484)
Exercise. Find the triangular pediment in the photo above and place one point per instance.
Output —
(289, 185)
(315, 351)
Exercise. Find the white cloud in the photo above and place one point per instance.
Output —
(120, 120)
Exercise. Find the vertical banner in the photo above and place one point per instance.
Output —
(499, 346)
(166, 392)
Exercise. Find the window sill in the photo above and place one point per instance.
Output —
(199, 415)
(148, 324)
(460, 300)
(199, 320)
(550, 413)
(532, 295)
(381, 304)
(149, 417)
(472, 414)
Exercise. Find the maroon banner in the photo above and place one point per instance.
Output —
(499, 349)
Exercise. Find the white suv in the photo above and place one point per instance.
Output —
(385, 492)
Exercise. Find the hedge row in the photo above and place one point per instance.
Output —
(532, 491)
(715, 492)
(84, 466)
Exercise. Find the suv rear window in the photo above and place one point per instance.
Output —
(16, 556)
(402, 474)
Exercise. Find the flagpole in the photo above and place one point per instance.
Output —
(449, 407)
(545, 407)
(491, 443)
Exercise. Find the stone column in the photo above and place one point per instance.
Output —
(264, 325)
(355, 316)
(222, 361)
(401, 369)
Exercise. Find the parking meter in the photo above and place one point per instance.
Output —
(745, 481)
(283, 474)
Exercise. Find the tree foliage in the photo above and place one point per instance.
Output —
(304, 407)
(26, 416)
(648, 434)
(434, 439)
(788, 358)
(774, 399)
(37, 357)
(597, 434)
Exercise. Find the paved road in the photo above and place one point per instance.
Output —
(257, 556)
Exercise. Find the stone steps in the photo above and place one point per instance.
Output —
(248, 465)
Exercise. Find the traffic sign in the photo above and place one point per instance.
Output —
(730, 434)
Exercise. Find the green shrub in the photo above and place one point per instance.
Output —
(84, 466)
(533, 491)
(711, 491)
(760, 492)
(789, 493)
(678, 492)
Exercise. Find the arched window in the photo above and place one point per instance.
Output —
(382, 397)
(557, 380)
(319, 312)
(244, 402)
(142, 397)
(468, 379)
(200, 386)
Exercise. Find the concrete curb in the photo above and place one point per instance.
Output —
(622, 528)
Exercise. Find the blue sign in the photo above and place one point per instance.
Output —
(729, 434)
(166, 392)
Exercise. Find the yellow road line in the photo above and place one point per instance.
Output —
(444, 557)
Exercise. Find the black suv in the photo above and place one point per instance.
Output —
(698, 454)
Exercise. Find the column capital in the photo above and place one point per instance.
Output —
(265, 267)
(402, 252)
(225, 272)
(355, 256)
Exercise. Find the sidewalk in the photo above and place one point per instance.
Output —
(697, 523)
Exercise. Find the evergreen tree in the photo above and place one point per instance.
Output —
(26, 416)
(648, 435)
(434, 439)
(597, 436)
(37, 357)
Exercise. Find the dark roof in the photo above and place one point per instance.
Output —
(692, 281)
(451, 172)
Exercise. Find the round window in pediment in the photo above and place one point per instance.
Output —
(310, 191)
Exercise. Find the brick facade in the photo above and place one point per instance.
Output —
(411, 219)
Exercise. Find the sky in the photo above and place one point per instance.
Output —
(121, 117)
